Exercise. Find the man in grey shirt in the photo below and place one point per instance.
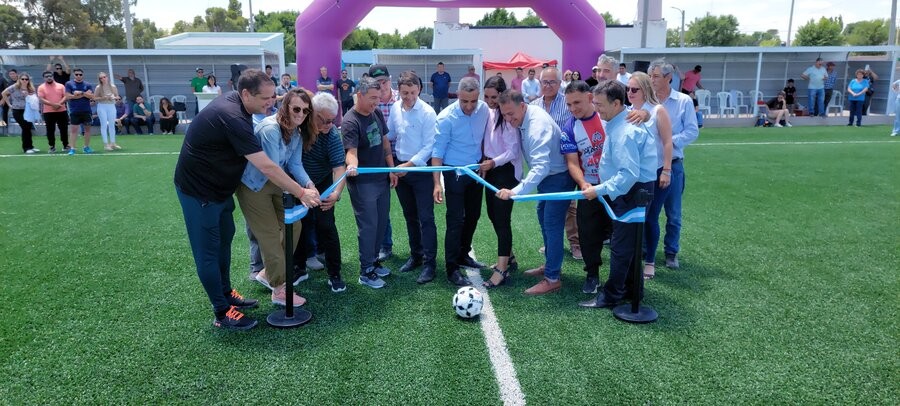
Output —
(133, 86)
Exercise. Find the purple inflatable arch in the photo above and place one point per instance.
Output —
(325, 23)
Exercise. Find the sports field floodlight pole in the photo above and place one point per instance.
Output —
(635, 312)
(288, 318)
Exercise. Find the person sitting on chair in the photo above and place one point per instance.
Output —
(778, 110)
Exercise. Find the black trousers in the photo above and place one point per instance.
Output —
(168, 124)
(26, 126)
(463, 198)
(622, 243)
(866, 103)
(498, 210)
(58, 120)
(320, 222)
(414, 191)
(594, 226)
(828, 94)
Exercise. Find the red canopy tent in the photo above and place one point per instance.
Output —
(520, 59)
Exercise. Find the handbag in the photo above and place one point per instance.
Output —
(179, 106)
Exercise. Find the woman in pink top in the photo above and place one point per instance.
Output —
(502, 167)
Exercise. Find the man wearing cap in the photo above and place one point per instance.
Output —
(197, 83)
(440, 87)
(531, 88)
(592, 81)
(386, 99)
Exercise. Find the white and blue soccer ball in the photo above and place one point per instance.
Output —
(467, 302)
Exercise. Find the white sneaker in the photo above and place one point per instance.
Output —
(30, 151)
(788, 125)
(893, 134)
(314, 264)
(263, 279)
(778, 125)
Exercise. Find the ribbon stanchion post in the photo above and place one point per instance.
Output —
(635, 312)
(289, 317)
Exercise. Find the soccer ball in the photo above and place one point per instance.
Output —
(467, 302)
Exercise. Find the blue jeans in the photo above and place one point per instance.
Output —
(388, 242)
(670, 198)
(551, 215)
(896, 116)
(856, 108)
(816, 102)
(210, 229)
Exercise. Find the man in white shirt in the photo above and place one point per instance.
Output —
(412, 124)
(623, 75)
(531, 87)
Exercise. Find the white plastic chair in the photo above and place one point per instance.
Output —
(182, 117)
(737, 98)
(756, 96)
(837, 102)
(703, 98)
(724, 107)
(154, 103)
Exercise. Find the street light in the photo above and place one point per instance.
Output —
(682, 25)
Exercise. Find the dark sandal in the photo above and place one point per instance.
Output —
(490, 285)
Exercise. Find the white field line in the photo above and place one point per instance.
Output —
(108, 154)
(504, 370)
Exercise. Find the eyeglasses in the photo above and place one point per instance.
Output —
(79, 74)
(324, 121)
(549, 82)
(297, 110)
(634, 89)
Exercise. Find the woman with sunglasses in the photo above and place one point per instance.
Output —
(14, 96)
(641, 96)
(105, 94)
(283, 137)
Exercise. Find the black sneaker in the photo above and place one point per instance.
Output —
(590, 284)
(468, 262)
(337, 284)
(235, 299)
(300, 275)
(233, 319)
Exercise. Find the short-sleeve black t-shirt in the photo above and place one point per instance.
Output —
(365, 134)
(212, 156)
(61, 77)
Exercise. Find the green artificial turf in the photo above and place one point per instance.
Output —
(787, 294)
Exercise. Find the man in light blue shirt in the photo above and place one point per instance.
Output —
(457, 142)
(548, 173)
(815, 91)
(412, 124)
(628, 171)
(531, 87)
(684, 131)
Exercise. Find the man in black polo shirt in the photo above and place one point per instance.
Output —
(215, 152)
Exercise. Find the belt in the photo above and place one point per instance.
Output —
(677, 160)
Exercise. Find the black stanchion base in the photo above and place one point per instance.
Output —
(280, 320)
(645, 314)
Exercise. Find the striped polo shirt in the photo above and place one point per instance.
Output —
(325, 155)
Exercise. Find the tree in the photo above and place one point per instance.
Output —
(531, 20)
(610, 20)
(500, 17)
(11, 22)
(423, 36)
(144, 32)
(283, 22)
(713, 31)
(360, 39)
(198, 25)
(867, 32)
(769, 38)
(825, 32)
(673, 38)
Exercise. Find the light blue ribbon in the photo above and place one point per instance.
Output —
(636, 215)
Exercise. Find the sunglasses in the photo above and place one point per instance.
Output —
(633, 89)
(24, 79)
(58, 68)
(79, 74)
(48, 77)
(304, 110)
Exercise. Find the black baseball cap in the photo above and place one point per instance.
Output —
(376, 71)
